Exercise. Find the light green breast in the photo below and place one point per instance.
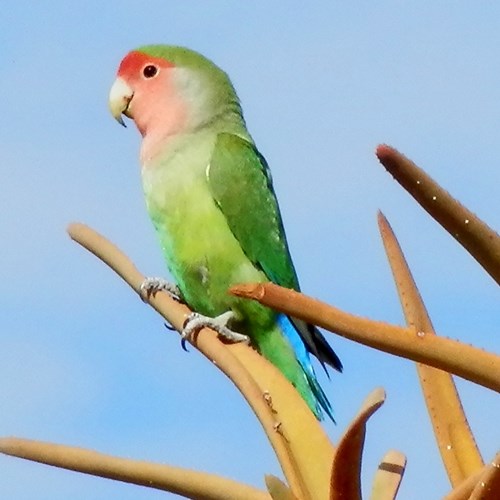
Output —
(201, 252)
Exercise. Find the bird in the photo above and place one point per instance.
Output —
(210, 196)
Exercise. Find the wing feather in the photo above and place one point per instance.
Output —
(241, 184)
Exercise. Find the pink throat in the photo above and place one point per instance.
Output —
(159, 116)
(158, 107)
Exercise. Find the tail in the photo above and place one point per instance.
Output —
(321, 402)
(285, 348)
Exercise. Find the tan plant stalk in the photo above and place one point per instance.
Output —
(471, 232)
(161, 477)
(488, 486)
(460, 359)
(388, 476)
(455, 441)
(293, 431)
(345, 481)
(464, 489)
(278, 489)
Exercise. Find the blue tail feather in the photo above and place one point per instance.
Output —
(302, 355)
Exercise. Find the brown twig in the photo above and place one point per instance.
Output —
(463, 360)
(488, 486)
(388, 476)
(471, 232)
(483, 484)
(345, 481)
(184, 482)
(278, 489)
(288, 423)
(464, 489)
(455, 441)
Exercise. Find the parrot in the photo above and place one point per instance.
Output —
(210, 196)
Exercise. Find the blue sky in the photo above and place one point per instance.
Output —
(84, 362)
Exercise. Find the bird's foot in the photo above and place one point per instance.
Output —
(151, 286)
(196, 322)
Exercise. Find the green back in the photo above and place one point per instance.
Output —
(241, 185)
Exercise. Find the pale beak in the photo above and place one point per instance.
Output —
(120, 96)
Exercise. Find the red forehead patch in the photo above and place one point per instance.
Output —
(134, 61)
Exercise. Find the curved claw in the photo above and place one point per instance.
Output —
(183, 345)
(196, 322)
(151, 286)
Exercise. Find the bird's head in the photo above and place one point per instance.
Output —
(168, 90)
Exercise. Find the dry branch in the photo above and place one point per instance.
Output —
(471, 232)
(346, 469)
(463, 360)
(184, 482)
(488, 486)
(278, 489)
(455, 441)
(484, 482)
(288, 423)
(388, 476)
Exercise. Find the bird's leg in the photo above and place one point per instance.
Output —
(196, 322)
(150, 286)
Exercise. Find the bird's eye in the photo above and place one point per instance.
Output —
(150, 71)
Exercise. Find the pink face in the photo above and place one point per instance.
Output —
(152, 99)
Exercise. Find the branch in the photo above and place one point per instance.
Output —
(455, 441)
(345, 481)
(483, 484)
(488, 487)
(388, 476)
(277, 489)
(452, 356)
(471, 232)
(290, 426)
(183, 482)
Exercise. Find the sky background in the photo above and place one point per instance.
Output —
(83, 362)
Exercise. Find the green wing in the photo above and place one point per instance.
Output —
(240, 183)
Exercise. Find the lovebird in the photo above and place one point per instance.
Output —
(210, 196)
